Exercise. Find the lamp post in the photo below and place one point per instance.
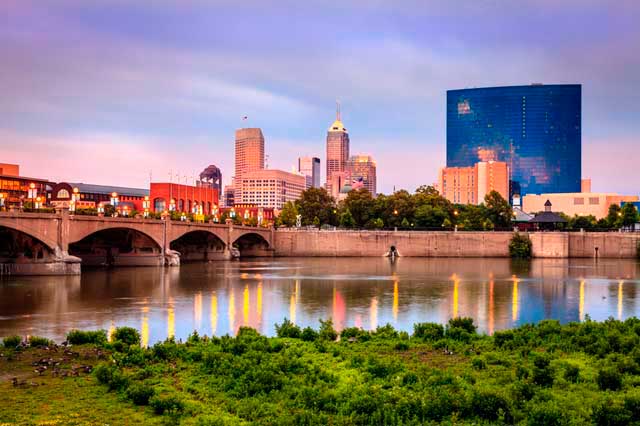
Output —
(125, 211)
(75, 196)
(100, 209)
(145, 206)
(32, 193)
(2, 201)
(114, 202)
(38, 202)
(172, 205)
(455, 215)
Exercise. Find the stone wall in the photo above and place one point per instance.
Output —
(451, 244)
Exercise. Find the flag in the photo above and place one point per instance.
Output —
(244, 118)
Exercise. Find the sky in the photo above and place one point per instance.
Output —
(118, 92)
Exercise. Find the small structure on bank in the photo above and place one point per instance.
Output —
(547, 220)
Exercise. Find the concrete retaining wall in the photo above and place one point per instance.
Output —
(450, 244)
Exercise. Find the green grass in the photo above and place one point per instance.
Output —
(452, 376)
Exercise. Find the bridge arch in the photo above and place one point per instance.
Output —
(199, 245)
(47, 234)
(116, 245)
(252, 244)
(18, 246)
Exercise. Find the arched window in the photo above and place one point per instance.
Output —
(63, 193)
(208, 207)
(181, 205)
(159, 205)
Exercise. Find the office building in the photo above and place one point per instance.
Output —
(229, 196)
(15, 190)
(578, 203)
(310, 167)
(269, 188)
(362, 169)
(469, 185)
(535, 129)
(337, 150)
(249, 152)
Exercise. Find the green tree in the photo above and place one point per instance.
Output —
(317, 203)
(346, 219)
(361, 205)
(614, 216)
(629, 215)
(498, 209)
(429, 216)
(287, 216)
(582, 222)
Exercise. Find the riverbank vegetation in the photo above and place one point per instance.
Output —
(544, 374)
(426, 209)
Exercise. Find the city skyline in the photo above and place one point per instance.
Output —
(160, 88)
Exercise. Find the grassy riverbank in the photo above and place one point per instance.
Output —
(587, 373)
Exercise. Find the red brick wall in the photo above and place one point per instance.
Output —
(184, 193)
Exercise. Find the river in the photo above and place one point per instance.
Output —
(219, 297)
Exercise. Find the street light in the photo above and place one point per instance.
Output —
(172, 205)
(100, 208)
(1, 201)
(145, 205)
(32, 193)
(38, 202)
(125, 211)
(114, 199)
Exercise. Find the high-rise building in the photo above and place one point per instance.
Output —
(337, 149)
(211, 177)
(249, 151)
(337, 182)
(229, 196)
(310, 167)
(269, 188)
(469, 185)
(362, 168)
(249, 154)
(535, 129)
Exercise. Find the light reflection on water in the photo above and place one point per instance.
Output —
(217, 298)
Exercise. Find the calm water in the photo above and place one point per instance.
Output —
(217, 298)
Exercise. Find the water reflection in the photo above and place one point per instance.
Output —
(218, 298)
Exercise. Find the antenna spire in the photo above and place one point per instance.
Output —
(338, 110)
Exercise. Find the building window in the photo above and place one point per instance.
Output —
(594, 200)
(63, 193)
(578, 201)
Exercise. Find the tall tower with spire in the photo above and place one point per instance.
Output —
(337, 150)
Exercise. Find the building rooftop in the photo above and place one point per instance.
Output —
(105, 189)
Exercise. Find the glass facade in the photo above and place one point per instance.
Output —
(535, 129)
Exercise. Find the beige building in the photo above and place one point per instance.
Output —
(363, 169)
(337, 150)
(469, 185)
(576, 203)
(269, 188)
(249, 151)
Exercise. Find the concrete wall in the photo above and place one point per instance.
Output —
(451, 244)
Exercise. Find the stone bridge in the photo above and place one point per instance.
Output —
(48, 243)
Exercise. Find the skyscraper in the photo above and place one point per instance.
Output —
(535, 129)
(310, 167)
(362, 168)
(249, 154)
(337, 148)
(249, 151)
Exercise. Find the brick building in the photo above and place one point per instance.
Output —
(186, 197)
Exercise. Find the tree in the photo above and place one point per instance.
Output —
(429, 216)
(317, 203)
(613, 217)
(346, 219)
(582, 222)
(629, 215)
(287, 216)
(361, 205)
(498, 209)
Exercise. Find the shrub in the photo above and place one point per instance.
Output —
(489, 404)
(170, 404)
(126, 335)
(288, 329)
(478, 363)
(428, 331)
(326, 331)
(36, 341)
(611, 412)
(609, 379)
(78, 337)
(542, 371)
(11, 341)
(572, 373)
(401, 346)
(464, 323)
(111, 376)
(309, 334)
(520, 246)
(140, 394)
(546, 413)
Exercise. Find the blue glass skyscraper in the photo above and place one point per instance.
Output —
(536, 129)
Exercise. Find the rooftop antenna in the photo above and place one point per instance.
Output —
(266, 161)
(338, 110)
